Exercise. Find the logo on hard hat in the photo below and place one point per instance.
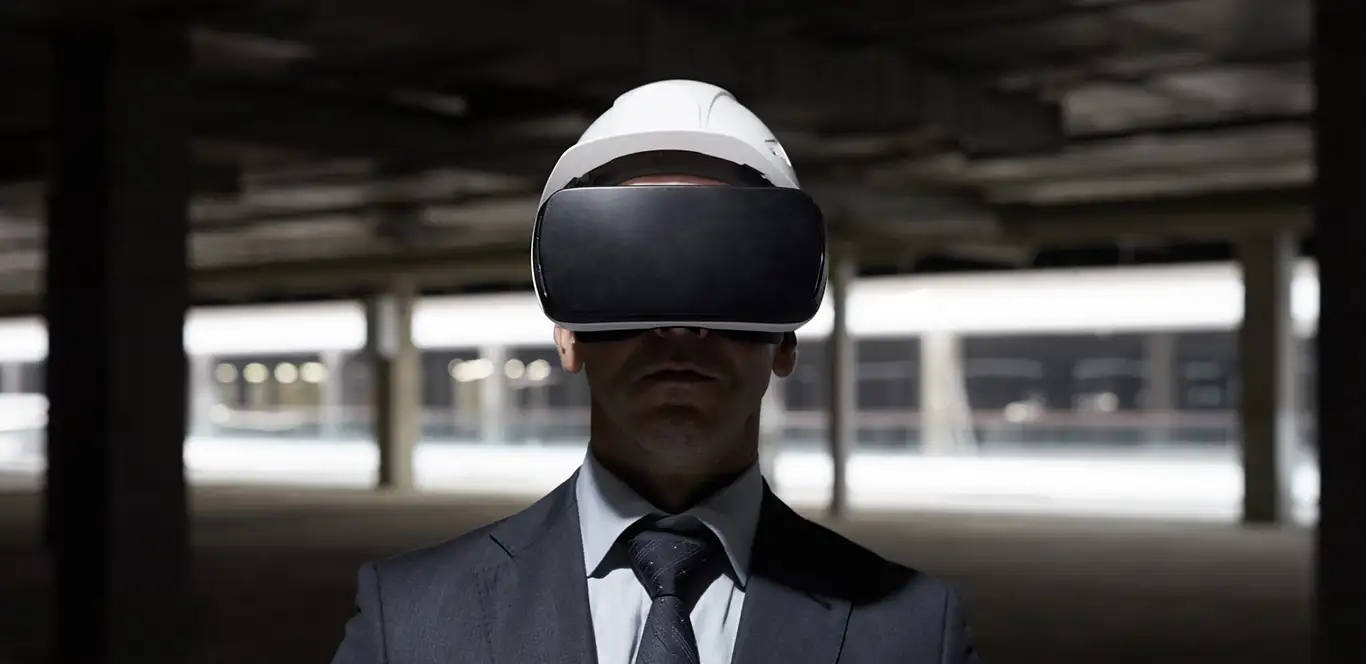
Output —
(777, 149)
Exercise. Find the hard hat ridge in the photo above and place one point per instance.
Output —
(681, 116)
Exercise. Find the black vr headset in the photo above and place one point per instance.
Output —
(746, 261)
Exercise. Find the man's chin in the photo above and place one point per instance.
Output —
(671, 431)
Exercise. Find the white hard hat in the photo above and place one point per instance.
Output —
(675, 115)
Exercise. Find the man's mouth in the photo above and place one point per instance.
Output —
(679, 374)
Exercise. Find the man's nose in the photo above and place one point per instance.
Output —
(667, 332)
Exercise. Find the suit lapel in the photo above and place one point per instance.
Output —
(790, 615)
(536, 599)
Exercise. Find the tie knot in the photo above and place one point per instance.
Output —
(672, 563)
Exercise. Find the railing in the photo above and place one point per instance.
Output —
(877, 429)
(25, 416)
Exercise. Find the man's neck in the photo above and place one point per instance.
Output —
(673, 492)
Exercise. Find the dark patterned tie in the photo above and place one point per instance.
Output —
(674, 567)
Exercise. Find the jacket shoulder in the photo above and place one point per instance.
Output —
(445, 560)
(403, 601)
(866, 576)
(900, 612)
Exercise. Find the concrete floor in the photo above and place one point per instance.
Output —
(274, 571)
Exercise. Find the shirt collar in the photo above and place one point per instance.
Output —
(607, 507)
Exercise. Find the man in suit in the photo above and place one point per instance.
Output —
(666, 546)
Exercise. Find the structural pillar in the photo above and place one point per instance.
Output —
(10, 378)
(115, 299)
(1160, 385)
(843, 427)
(203, 394)
(1340, 239)
(397, 383)
(1267, 357)
(946, 418)
(772, 426)
(333, 387)
(493, 397)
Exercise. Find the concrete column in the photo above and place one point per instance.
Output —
(115, 301)
(203, 394)
(1340, 239)
(333, 410)
(10, 378)
(1267, 358)
(534, 413)
(494, 397)
(1160, 384)
(397, 383)
(945, 415)
(843, 427)
(772, 426)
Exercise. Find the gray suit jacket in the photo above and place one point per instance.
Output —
(514, 592)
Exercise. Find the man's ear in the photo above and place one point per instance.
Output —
(568, 350)
(785, 356)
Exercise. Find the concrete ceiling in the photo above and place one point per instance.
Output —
(337, 129)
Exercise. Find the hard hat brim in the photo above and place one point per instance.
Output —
(584, 157)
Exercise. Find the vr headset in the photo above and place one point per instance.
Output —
(744, 261)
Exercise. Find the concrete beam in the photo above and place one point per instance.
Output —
(1248, 176)
(1246, 158)
(27, 158)
(332, 125)
(446, 268)
(435, 267)
(852, 210)
(647, 41)
(504, 263)
(500, 120)
(1211, 217)
(918, 215)
(908, 214)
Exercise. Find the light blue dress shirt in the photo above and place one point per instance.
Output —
(619, 604)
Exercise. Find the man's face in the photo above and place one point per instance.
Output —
(684, 394)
